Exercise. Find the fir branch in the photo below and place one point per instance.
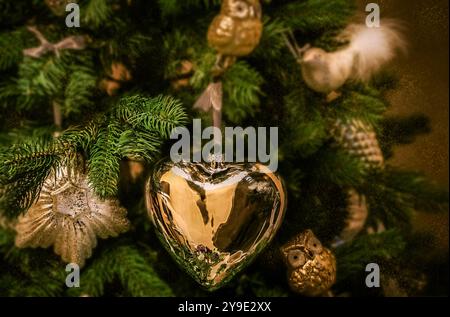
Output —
(242, 90)
(260, 285)
(394, 195)
(313, 16)
(137, 45)
(78, 92)
(104, 161)
(96, 13)
(23, 130)
(38, 80)
(24, 168)
(305, 126)
(8, 94)
(177, 7)
(158, 115)
(127, 265)
(272, 44)
(11, 46)
(37, 273)
(138, 145)
(352, 258)
(365, 106)
(84, 136)
(337, 167)
(241, 87)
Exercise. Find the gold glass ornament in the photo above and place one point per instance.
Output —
(237, 30)
(360, 140)
(58, 7)
(214, 220)
(115, 78)
(70, 216)
(311, 266)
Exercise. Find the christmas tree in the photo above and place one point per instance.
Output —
(88, 109)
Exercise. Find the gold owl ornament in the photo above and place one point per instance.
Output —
(236, 31)
(311, 266)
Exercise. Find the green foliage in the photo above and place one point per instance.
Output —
(365, 105)
(305, 126)
(134, 129)
(127, 265)
(96, 13)
(260, 285)
(69, 78)
(104, 161)
(176, 7)
(107, 141)
(154, 39)
(313, 16)
(80, 87)
(160, 114)
(394, 195)
(34, 273)
(272, 44)
(353, 258)
(242, 91)
(11, 46)
(24, 168)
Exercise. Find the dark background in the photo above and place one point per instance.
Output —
(423, 88)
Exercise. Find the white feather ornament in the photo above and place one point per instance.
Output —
(369, 49)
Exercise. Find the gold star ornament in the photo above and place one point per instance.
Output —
(70, 216)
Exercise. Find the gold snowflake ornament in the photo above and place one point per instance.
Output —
(70, 216)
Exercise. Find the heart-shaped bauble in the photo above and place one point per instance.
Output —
(215, 220)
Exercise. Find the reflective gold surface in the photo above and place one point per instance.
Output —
(237, 30)
(311, 266)
(214, 221)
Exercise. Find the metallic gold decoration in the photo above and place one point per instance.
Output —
(357, 214)
(70, 216)
(116, 77)
(311, 266)
(183, 74)
(58, 7)
(237, 30)
(360, 140)
(214, 220)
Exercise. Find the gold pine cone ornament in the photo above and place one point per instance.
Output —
(70, 216)
(311, 266)
(360, 140)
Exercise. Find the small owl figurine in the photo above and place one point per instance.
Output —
(311, 267)
(236, 31)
